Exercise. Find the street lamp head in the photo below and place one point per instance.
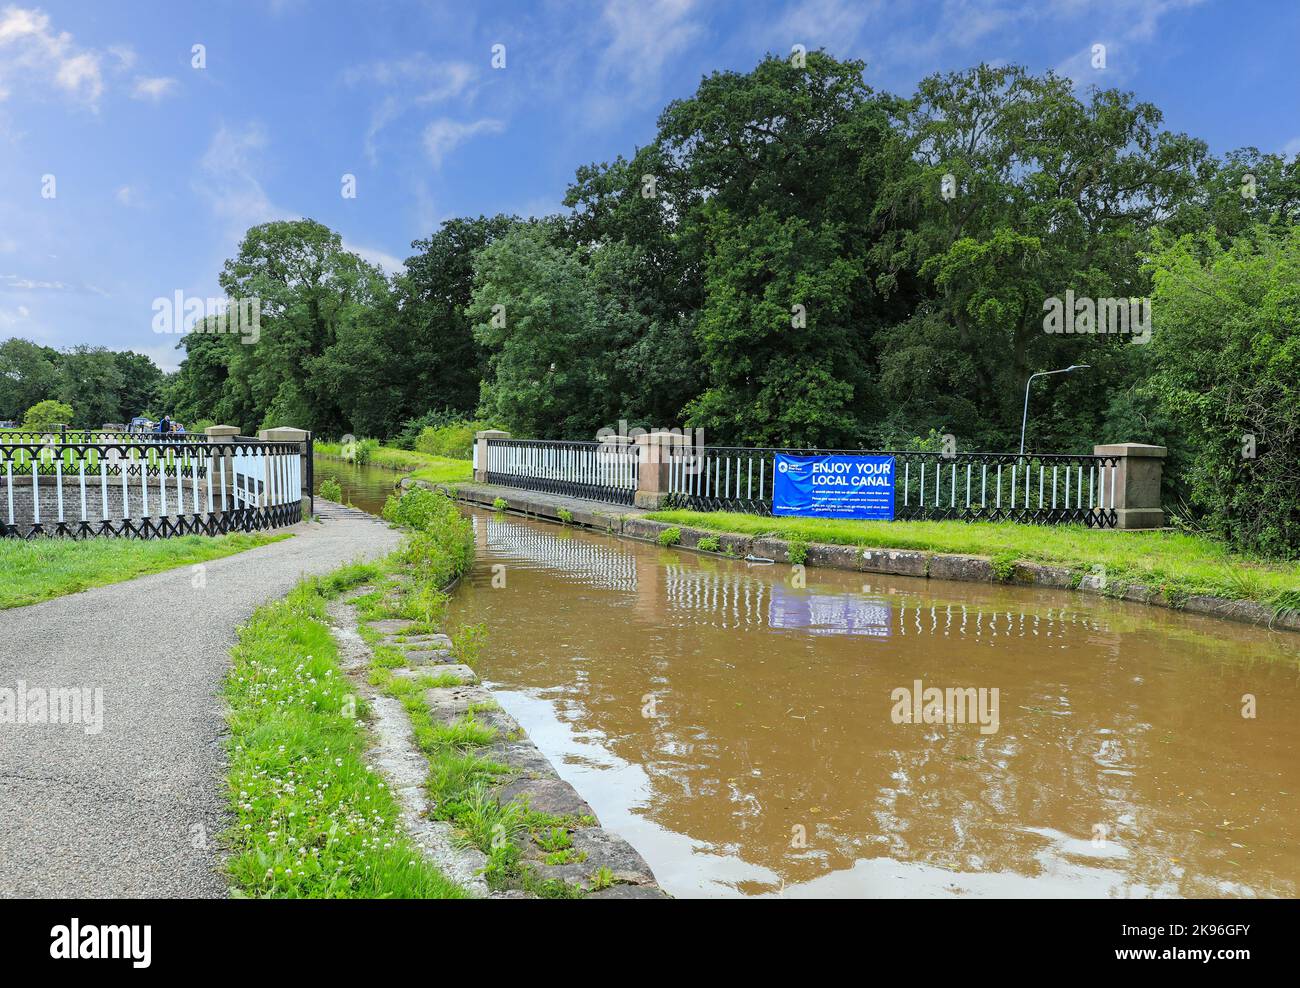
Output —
(1075, 367)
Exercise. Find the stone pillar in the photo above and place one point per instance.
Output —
(288, 434)
(480, 451)
(1137, 483)
(652, 478)
(222, 434)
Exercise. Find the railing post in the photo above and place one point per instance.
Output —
(654, 459)
(481, 449)
(288, 434)
(223, 434)
(1137, 483)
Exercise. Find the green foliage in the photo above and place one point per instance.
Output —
(467, 643)
(46, 414)
(441, 546)
(311, 817)
(499, 504)
(330, 490)
(565, 516)
(1227, 352)
(797, 549)
(1004, 567)
(455, 441)
(670, 536)
(709, 543)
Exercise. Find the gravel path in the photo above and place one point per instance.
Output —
(135, 810)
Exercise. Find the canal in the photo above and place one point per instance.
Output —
(364, 487)
(739, 728)
(743, 730)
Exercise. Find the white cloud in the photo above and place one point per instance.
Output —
(126, 195)
(1122, 26)
(445, 135)
(408, 83)
(389, 263)
(9, 318)
(832, 23)
(35, 53)
(643, 35)
(19, 283)
(228, 179)
(1291, 147)
(152, 88)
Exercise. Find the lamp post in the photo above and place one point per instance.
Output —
(1024, 419)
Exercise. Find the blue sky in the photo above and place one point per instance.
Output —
(160, 166)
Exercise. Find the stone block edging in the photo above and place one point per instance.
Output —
(884, 562)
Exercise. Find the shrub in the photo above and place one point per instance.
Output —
(1227, 352)
(670, 536)
(499, 504)
(1004, 567)
(441, 546)
(798, 549)
(330, 490)
(362, 450)
(47, 414)
(565, 516)
(455, 440)
(710, 543)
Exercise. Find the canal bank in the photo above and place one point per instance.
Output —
(635, 523)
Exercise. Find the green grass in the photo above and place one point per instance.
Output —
(1177, 562)
(442, 470)
(40, 569)
(312, 817)
(423, 466)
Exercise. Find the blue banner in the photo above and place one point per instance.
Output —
(834, 487)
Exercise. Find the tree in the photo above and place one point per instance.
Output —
(1227, 370)
(142, 385)
(1022, 190)
(28, 373)
(47, 414)
(310, 291)
(534, 310)
(91, 380)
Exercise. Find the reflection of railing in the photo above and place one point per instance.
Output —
(605, 471)
(1039, 489)
(149, 489)
(607, 567)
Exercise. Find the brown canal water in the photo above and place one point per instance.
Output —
(364, 487)
(742, 731)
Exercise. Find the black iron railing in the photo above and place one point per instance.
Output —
(602, 471)
(1036, 489)
(148, 490)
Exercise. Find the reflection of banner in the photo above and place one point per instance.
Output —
(834, 486)
(828, 614)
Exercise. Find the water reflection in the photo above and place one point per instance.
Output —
(736, 727)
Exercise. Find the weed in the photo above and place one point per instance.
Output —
(670, 536)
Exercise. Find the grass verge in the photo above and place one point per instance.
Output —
(424, 466)
(41, 569)
(1177, 562)
(312, 818)
(463, 779)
